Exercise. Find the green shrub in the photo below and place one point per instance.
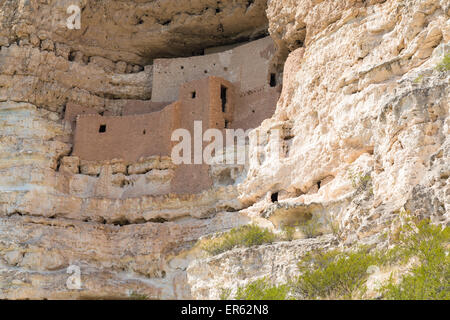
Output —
(289, 232)
(311, 228)
(245, 236)
(225, 294)
(444, 65)
(137, 296)
(359, 179)
(334, 274)
(262, 290)
(431, 278)
(418, 79)
(342, 275)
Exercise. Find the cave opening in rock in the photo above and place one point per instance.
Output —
(274, 197)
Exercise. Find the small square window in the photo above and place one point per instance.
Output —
(193, 94)
(102, 128)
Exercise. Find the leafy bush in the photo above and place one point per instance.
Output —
(225, 294)
(359, 179)
(289, 232)
(245, 236)
(311, 227)
(137, 296)
(444, 65)
(334, 274)
(418, 79)
(431, 278)
(342, 275)
(262, 290)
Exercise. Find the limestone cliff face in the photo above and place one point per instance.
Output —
(364, 120)
(56, 211)
(134, 32)
(364, 116)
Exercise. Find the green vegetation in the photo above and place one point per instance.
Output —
(245, 236)
(418, 79)
(311, 227)
(225, 294)
(334, 274)
(359, 180)
(289, 232)
(430, 279)
(444, 65)
(262, 290)
(137, 296)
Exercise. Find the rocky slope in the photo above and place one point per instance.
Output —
(364, 115)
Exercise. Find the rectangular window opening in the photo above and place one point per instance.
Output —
(223, 97)
(102, 128)
(273, 80)
(193, 94)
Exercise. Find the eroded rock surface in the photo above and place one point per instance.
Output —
(363, 116)
(133, 32)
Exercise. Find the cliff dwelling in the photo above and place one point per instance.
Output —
(346, 167)
(225, 89)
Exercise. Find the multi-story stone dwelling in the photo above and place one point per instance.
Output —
(234, 88)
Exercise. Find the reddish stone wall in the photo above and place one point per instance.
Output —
(133, 107)
(145, 128)
(252, 108)
(126, 137)
(73, 110)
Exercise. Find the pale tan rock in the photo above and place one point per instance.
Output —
(70, 164)
(236, 268)
(48, 45)
(121, 67)
(137, 32)
(106, 64)
(13, 257)
(4, 41)
(364, 133)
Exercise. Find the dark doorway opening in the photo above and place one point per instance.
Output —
(273, 80)
(223, 97)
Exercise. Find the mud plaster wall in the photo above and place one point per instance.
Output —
(133, 107)
(126, 137)
(247, 66)
(252, 108)
(207, 107)
(73, 110)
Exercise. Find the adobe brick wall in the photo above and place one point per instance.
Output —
(207, 107)
(145, 127)
(247, 66)
(133, 107)
(73, 110)
(252, 108)
(126, 137)
(192, 178)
